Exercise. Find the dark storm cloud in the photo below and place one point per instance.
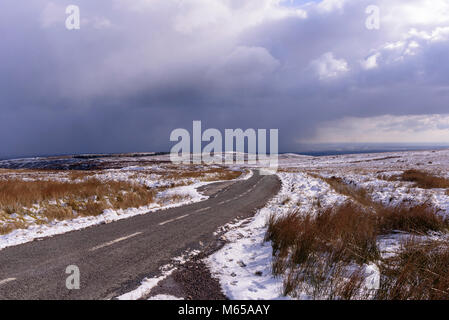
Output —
(136, 70)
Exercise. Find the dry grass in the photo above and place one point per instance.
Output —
(418, 272)
(319, 278)
(80, 175)
(7, 228)
(17, 194)
(421, 179)
(360, 195)
(210, 174)
(54, 212)
(416, 219)
(323, 255)
(347, 233)
(79, 193)
(316, 251)
(64, 200)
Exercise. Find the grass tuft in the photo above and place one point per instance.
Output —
(315, 252)
(421, 179)
(418, 272)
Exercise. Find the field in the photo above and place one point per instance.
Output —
(40, 202)
(372, 226)
(369, 226)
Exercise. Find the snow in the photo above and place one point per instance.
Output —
(243, 266)
(145, 287)
(165, 297)
(185, 194)
(147, 284)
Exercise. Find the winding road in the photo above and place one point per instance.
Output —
(114, 258)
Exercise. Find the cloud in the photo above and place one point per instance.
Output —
(433, 128)
(244, 67)
(200, 14)
(327, 66)
(52, 14)
(371, 62)
(138, 69)
(330, 5)
(423, 13)
(438, 34)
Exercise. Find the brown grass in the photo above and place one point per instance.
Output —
(347, 233)
(360, 195)
(314, 251)
(210, 174)
(54, 212)
(421, 179)
(16, 194)
(84, 195)
(416, 219)
(418, 272)
(64, 200)
(80, 175)
(7, 228)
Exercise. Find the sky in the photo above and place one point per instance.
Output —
(138, 69)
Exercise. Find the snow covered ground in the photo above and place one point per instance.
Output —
(174, 186)
(36, 231)
(244, 265)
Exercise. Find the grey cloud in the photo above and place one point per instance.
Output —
(126, 85)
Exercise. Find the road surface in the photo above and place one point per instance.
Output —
(114, 258)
